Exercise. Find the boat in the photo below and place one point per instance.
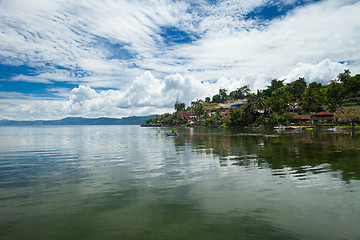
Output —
(174, 134)
(332, 129)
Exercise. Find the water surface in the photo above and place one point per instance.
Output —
(127, 182)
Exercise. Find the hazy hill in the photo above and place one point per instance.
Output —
(80, 121)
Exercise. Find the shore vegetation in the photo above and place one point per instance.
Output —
(294, 103)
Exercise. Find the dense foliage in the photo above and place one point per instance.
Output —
(276, 104)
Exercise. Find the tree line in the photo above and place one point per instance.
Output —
(277, 98)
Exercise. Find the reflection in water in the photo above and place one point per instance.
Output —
(127, 182)
(296, 154)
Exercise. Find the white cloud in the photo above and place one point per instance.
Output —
(312, 34)
(69, 34)
(230, 51)
(322, 72)
(26, 78)
(82, 94)
(147, 95)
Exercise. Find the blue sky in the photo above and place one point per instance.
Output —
(119, 58)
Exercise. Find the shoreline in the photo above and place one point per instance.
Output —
(330, 129)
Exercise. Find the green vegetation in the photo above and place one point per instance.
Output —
(348, 116)
(277, 104)
(179, 106)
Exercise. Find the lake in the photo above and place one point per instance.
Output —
(127, 182)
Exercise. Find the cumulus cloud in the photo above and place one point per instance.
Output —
(149, 92)
(82, 94)
(110, 44)
(147, 95)
(322, 72)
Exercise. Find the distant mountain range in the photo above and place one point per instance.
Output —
(80, 121)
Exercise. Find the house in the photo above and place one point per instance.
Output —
(220, 110)
(224, 108)
(264, 113)
(189, 116)
(302, 118)
(224, 111)
(294, 105)
(238, 105)
(321, 117)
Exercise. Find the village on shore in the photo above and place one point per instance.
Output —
(291, 105)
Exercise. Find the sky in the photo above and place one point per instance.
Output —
(119, 58)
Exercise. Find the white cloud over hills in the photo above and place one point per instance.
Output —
(139, 57)
(146, 95)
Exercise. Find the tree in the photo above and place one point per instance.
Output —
(348, 116)
(223, 95)
(312, 98)
(240, 93)
(343, 76)
(334, 94)
(352, 86)
(216, 98)
(279, 100)
(198, 107)
(236, 117)
(296, 88)
(249, 113)
(275, 84)
(179, 106)
(257, 101)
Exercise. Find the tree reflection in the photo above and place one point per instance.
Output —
(301, 152)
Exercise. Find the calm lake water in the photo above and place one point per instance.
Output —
(127, 182)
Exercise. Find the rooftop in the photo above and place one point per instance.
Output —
(302, 117)
(323, 114)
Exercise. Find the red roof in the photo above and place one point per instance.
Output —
(302, 117)
(225, 111)
(323, 114)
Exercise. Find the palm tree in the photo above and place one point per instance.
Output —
(257, 101)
